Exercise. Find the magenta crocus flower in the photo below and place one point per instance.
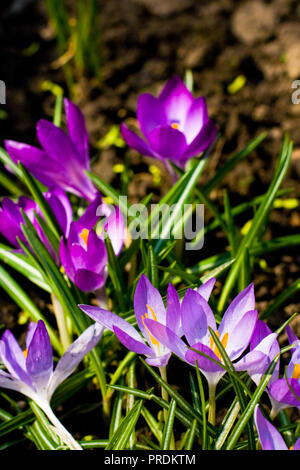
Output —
(82, 253)
(63, 158)
(234, 331)
(175, 125)
(11, 217)
(31, 371)
(148, 304)
(269, 437)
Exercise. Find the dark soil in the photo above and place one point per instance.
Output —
(145, 42)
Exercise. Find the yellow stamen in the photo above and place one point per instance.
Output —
(296, 372)
(175, 125)
(291, 448)
(25, 352)
(152, 339)
(215, 349)
(85, 235)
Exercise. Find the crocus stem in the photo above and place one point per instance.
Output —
(65, 436)
(212, 404)
(61, 321)
(165, 396)
(164, 393)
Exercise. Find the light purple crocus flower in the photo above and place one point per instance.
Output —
(11, 217)
(148, 304)
(63, 159)
(234, 331)
(175, 125)
(285, 392)
(269, 437)
(31, 371)
(264, 347)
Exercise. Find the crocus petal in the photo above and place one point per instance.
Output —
(243, 303)
(61, 207)
(74, 355)
(109, 320)
(150, 113)
(115, 228)
(206, 288)
(292, 338)
(239, 338)
(173, 317)
(196, 316)
(66, 259)
(297, 444)
(56, 144)
(131, 343)
(34, 160)
(203, 362)
(167, 337)
(147, 300)
(159, 361)
(177, 99)
(77, 131)
(268, 435)
(261, 330)
(13, 358)
(134, 141)
(92, 213)
(96, 253)
(202, 141)
(196, 117)
(168, 142)
(257, 360)
(39, 361)
(30, 332)
(280, 391)
(88, 281)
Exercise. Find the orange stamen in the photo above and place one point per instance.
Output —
(25, 352)
(85, 235)
(175, 125)
(153, 340)
(215, 349)
(296, 372)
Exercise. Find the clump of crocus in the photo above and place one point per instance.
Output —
(83, 253)
(63, 158)
(234, 333)
(269, 437)
(175, 125)
(11, 217)
(31, 371)
(148, 304)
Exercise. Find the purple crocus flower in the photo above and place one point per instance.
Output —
(175, 125)
(83, 254)
(63, 159)
(31, 371)
(234, 331)
(148, 304)
(269, 437)
(11, 217)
